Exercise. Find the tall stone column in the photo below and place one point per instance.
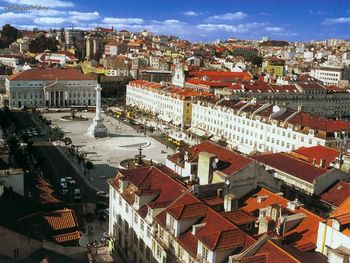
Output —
(97, 128)
(98, 102)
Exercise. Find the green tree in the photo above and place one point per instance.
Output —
(255, 59)
(42, 43)
(9, 34)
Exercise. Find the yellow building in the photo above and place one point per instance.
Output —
(274, 67)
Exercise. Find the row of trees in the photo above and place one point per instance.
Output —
(41, 43)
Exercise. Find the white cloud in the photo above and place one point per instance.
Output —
(115, 20)
(316, 12)
(190, 13)
(241, 28)
(274, 29)
(49, 21)
(81, 16)
(215, 27)
(339, 20)
(47, 3)
(11, 17)
(228, 16)
(49, 12)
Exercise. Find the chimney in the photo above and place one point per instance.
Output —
(197, 227)
(294, 205)
(323, 163)
(261, 198)
(123, 184)
(230, 202)
(205, 167)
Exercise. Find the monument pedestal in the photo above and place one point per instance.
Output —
(97, 129)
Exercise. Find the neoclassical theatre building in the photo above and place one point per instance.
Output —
(50, 88)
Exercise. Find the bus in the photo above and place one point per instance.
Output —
(176, 140)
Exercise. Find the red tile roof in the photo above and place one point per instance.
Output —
(155, 180)
(67, 237)
(292, 166)
(189, 208)
(316, 153)
(235, 162)
(208, 83)
(50, 74)
(258, 258)
(318, 123)
(306, 231)
(225, 239)
(337, 194)
(221, 75)
(276, 254)
(217, 233)
(61, 219)
(239, 217)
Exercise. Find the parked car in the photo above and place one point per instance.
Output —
(102, 194)
(77, 194)
(70, 180)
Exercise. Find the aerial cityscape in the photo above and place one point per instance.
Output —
(174, 131)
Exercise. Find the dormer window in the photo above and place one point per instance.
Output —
(149, 212)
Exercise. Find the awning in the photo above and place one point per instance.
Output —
(197, 131)
(177, 122)
(164, 118)
(216, 138)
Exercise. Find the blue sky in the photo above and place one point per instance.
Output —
(195, 20)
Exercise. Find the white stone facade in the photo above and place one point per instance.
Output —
(60, 93)
(247, 132)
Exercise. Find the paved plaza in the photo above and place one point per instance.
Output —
(107, 153)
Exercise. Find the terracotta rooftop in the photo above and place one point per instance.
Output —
(239, 217)
(67, 237)
(275, 254)
(50, 74)
(337, 194)
(304, 233)
(61, 219)
(342, 215)
(217, 233)
(318, 123)
(234, 162)
(221, 75)
(291, 166)
(158, 181)
(316, 153)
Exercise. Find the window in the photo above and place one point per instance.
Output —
(148, 231)
(136, 218)
(120, 201)
(136, 239)
(126, 208)
(142, 226)
(16, 253)
(159, 251)
(205, 253)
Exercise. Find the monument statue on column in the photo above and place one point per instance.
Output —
(97, 128)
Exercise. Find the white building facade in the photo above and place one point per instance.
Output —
(51, 88)
(169, 103)
(249, 127)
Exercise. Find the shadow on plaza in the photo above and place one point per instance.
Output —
(118, 135)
